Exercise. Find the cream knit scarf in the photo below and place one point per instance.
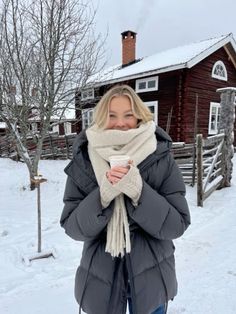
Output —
(138, 144)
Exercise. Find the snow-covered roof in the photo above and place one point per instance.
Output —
(69, 114)
(172, 59)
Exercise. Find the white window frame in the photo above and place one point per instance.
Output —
(216, 105)
(67, 127)
(55, 128)
(87, 116)
(155, 105)
(87, 94)
(222, 78)
(146, 80)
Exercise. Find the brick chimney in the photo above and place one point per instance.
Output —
(128, 47)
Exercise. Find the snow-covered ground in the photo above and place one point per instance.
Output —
(205, 255)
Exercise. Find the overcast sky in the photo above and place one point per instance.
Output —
(162, 24)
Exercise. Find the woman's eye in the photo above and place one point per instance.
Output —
(129, 115)
(111, 115)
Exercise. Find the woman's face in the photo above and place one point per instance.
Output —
(120, 114)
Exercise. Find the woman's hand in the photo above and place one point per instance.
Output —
(115, 174)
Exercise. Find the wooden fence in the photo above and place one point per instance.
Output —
(210, 165)
(201, 163)
(54, 147)
(184, 156)
(60, 147)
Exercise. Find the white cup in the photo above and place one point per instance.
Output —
(119, 160)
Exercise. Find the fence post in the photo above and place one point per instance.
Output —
(199, 171)
(67, 147)
(51, 145)
(227, 118)
(194, 140)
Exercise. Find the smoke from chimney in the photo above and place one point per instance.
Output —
(145, 14)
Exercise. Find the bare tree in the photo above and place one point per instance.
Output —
(47, 50)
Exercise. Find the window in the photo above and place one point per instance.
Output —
(147, 84)
(87, 94)
(87, 117)
(54, 128)
(214, 118)
(219, 71)
(153, 106)
(67, 127)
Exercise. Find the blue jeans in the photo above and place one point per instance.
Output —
(159, 310)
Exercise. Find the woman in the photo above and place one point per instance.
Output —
(126, 216)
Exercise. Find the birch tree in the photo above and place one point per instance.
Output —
(47, 50)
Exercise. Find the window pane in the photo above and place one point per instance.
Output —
(213, 123)
(213, 110)
(152, 109)
(152, 84)
(90, 118)
(87, 117)
(220, 71)
(142, 85)
(218, 117)
(87, 94)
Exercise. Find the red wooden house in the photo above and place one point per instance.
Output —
(172, 83)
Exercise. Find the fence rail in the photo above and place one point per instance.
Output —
(207, 171)
(54, 147)
(210, 165)
(183, 154)
(60, 147)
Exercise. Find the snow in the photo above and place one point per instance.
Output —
(3, 125)
(205, 254)
(167, 60)
(69, 114)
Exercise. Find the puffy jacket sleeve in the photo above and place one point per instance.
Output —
(83, 217)
(164, 214)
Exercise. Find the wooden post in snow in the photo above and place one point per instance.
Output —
(194, 140)
(199, 171)
(37, 180)
(227, 118)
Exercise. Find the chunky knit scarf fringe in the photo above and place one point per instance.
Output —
(138, 144)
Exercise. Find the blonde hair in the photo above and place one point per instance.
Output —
(101, 111)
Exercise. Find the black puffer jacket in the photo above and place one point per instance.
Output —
(162, 214)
